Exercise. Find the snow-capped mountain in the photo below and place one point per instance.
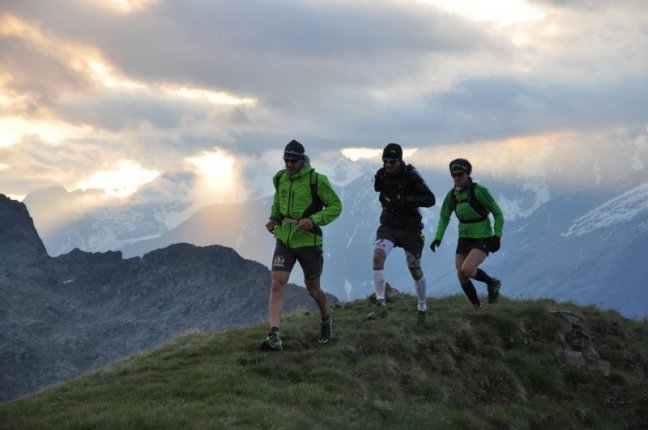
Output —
(619, 210)
(585, 247)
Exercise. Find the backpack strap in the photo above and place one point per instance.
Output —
(277, 177)
(474, 203)
(316, 204)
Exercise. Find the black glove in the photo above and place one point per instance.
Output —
(494, 244)
(435, 244)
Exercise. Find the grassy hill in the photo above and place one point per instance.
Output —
(513, 365)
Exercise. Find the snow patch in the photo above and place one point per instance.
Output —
(520, 207)
(618, 210)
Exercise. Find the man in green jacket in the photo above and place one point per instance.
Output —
(472, 203)
(303, 202)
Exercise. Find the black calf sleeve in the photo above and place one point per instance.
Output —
(471, 293)
(482, 276)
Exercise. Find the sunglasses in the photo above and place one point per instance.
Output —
(390, 160)
(291, 160)
(457, 174)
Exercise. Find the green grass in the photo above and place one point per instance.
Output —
(499, 367)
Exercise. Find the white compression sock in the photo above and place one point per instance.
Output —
(379, 283)
(420, 292)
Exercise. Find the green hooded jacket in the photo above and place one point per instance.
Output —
(477, 230)
(292, 197)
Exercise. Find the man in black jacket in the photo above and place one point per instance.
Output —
(402, 193)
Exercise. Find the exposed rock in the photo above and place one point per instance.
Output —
(391, 294)
(575, 358)
(20, 244)
(575, 339)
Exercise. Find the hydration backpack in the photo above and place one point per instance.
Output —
(474, 203)
(316, 204)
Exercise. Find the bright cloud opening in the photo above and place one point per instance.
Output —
(215, 97)
(124, 6)
(355, 154)
(105, 74)
(17, 197)
(122, 181)
(13, 129)
(504, 12)
(220, 180)
(216, 164)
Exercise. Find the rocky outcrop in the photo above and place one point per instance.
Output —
(20, 244)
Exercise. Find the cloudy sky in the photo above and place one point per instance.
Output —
(114, 94)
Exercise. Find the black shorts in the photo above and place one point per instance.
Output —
(311, 259)
(410, 240)
(465, 244)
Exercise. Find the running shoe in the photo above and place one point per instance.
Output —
(272, 342)
(493, 290)
(326, 330)
(378, 311)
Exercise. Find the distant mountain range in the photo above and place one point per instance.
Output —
(575, 227)
(61, 316)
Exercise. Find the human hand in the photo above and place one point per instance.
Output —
(270, 225)
(305, 224)
(435, 244)
(494, 243)
(394, 200)
(385, 200)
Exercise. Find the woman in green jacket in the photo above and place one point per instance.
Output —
(303, 202)
(472, 203)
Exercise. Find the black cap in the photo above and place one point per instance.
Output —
(393, 151)
(461, 164)
(294, 149)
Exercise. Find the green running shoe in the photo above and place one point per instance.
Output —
(326, 330)
(378, 311)
(421, 318)
(272, 342)
(493, 290)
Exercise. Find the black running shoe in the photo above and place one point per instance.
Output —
(326, 330)
(493, 290)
